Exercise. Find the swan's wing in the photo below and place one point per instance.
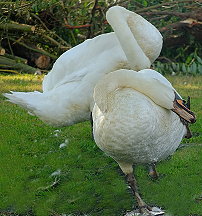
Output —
(73, 77)
(70, 64)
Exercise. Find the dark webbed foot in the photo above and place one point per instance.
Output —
(144, 209)
(148, 211)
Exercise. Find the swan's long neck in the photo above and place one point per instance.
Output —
(117, 18)
(147, 82)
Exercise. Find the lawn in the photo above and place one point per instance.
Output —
(39, 176)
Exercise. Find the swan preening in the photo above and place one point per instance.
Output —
(134, 122)
(133, 112)
(67, 96)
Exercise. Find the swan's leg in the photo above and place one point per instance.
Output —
(127, 169)
(152, 171)
(91, 122)
(144, 208)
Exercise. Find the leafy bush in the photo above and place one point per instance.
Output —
(192, 66)
(61, 25)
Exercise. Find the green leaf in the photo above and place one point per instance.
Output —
(145, 3)
(188, 60)
(177, 67)
(199, 60)
(174, 66)
(184, 70)
(194, 67)
(200, 69)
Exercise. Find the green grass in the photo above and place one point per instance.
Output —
(90, 182)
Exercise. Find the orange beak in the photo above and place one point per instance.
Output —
(181, 109)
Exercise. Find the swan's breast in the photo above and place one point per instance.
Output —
(135, 129)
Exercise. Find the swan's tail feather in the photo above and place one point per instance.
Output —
(27, 100)
(49, 108)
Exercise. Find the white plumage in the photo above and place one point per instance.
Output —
(68, 87)
(130, 119)
(133, 121)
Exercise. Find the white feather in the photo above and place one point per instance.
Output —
(67, 96)
(147, 82)
(138, 125)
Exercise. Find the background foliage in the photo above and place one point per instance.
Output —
(60, 25)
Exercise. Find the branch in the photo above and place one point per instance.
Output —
(18, 66)
(7, 3)
(35, 50)
(197, 16)
(17, 27)
(16, 58)
(185, 23)
(9, 71)
(82, 26)
(51, 32)
(120, 2)
(164, 4)
(77, 27)
(92, 17)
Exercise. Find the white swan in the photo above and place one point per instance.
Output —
(134, 122)
(67, 95)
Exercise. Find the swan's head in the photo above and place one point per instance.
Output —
(148, 82)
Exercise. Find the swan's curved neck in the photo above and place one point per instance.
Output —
(137, 59)
(147, 82)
